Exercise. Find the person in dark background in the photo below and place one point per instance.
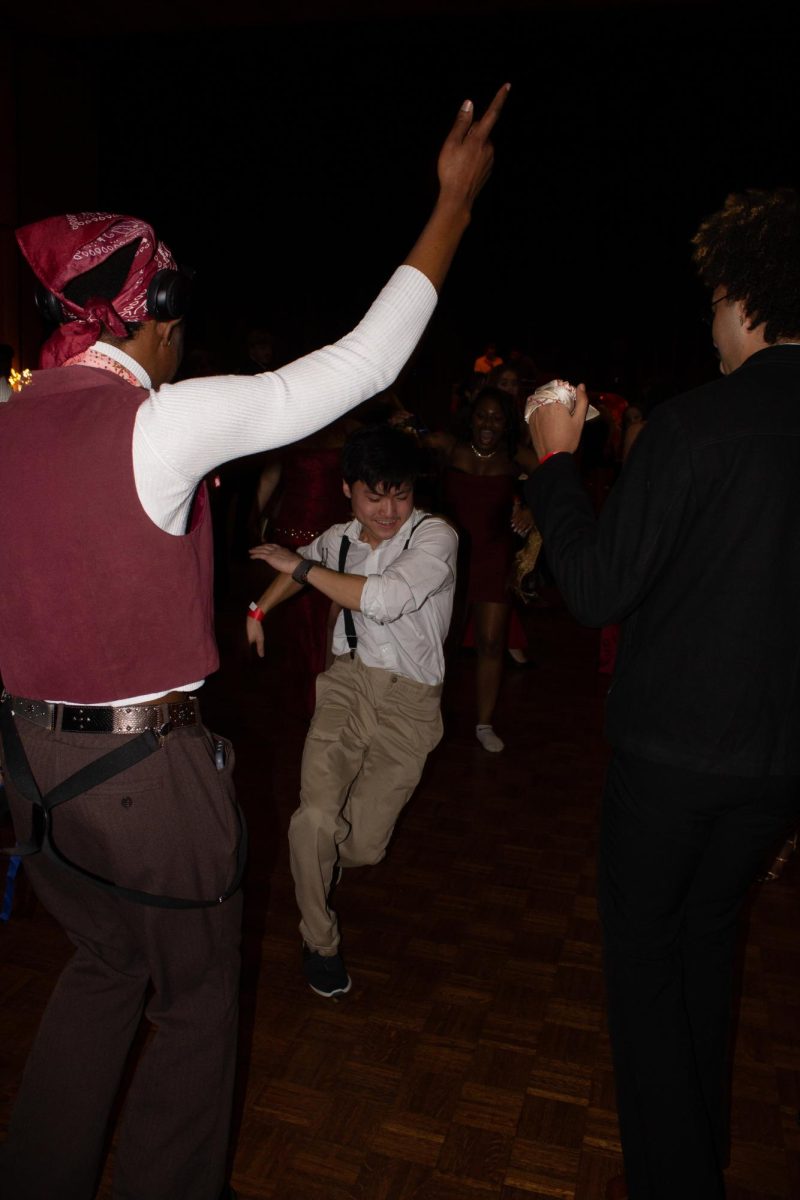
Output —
(697, 552)
(260, 351)
(488, 360)
(101, 450)
(480, 472)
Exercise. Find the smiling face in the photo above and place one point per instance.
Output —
(488, 425)
(382, 511)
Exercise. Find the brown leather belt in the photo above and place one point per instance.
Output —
(173, 711)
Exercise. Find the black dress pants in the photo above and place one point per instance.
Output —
(679, 851)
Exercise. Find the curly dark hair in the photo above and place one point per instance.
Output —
(751, 247)
(513, 428)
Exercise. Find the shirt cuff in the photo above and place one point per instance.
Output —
(372, 605)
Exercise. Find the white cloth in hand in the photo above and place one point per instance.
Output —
(557, 391)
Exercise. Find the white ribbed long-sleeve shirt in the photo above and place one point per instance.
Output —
(185, 429)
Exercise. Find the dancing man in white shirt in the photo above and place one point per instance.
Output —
(392, 569)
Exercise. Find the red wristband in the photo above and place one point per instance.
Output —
(550, 455)
(255, 612)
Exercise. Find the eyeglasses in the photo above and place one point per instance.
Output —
(708, 317)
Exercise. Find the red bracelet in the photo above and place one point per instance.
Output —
(550, 455)
(255, 612)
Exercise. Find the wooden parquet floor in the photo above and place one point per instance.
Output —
(470, 1059)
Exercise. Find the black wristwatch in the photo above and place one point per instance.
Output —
(300, 573)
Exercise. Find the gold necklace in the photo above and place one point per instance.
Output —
(483, 453)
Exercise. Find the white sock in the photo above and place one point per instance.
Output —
(489, 739)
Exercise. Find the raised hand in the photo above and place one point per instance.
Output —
(465, 163)
(465, 159)
(278, 557)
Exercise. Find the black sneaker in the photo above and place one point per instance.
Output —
(325, 975)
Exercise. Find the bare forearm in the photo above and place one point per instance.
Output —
(343, 589)
(435, 248)
(281, 588)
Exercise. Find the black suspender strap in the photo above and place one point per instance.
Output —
(90, 776)
(414, 529)
(349, 623)
(347, 613)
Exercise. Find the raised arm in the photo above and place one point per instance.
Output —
(184, 430)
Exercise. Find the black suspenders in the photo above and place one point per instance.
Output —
(349, 623)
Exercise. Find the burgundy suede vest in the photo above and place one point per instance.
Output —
(96, 602)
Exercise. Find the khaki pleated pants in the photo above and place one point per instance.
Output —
(366, 747)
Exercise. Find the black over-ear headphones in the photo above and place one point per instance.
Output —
(168, 295)
(48, 304)
(167, 298)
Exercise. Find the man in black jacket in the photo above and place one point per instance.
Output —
(697, 553)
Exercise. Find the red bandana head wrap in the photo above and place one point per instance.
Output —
(59, 249)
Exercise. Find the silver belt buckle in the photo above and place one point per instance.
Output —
(39, 712)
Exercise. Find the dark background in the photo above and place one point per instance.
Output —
(288, 155)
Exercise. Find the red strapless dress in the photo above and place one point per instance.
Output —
(480, 506)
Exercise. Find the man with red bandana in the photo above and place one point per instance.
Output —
(111, 775)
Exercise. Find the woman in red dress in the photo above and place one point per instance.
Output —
(480, 493)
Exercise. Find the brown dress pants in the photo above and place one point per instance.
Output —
(167, 825)
(366, 746)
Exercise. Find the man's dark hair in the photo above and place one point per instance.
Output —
(6, 358)
(105, 280)
(510, 412)
(751, 248)
(382, 456)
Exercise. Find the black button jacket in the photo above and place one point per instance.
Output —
(697, 553)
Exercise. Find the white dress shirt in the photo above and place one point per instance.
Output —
(407, 599)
